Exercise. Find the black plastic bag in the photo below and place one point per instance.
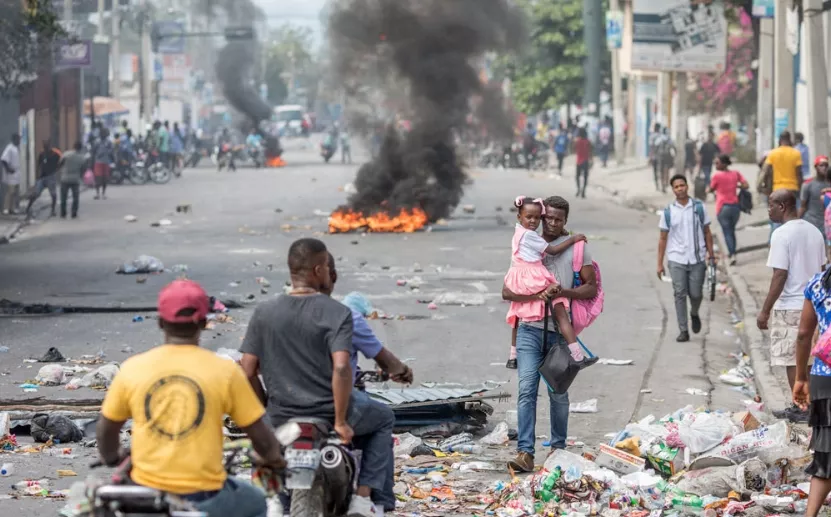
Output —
(558, 369)
(745, 201)
(58, 428)
(53, 355)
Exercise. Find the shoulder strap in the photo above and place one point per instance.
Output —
(577, 256)
(668, 215)
(698, 206)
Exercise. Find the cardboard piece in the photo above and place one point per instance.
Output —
(746, 420)
(619, 461)
(666, 460)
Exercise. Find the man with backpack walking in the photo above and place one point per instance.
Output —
(685, 240)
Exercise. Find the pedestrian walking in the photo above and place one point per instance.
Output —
(604, 141)
(665, 154)
(725, 185)
(726, 139)
(49, 161)
(797, 253)
(690, 158)
(805, 153)
(814, 396)
(10, 161)
(561, 144)
(812, 203)
(103, 157)
(685, 240)
(583, 152)
(177, 149)
(531, 351)
(654, 137)
(71, 175)
(164, 144)
(707, 156)
(345, 147)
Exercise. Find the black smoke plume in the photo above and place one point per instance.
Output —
(234, 69)
(419, 59)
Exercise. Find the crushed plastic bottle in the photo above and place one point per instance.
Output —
(467, 448)
(692, 501)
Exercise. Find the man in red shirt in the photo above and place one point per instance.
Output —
(583, 151)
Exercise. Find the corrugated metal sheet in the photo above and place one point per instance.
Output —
(395, 397)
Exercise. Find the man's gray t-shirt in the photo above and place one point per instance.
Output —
(561, 266)
(72, 171)
(812, 199)
(294, 338)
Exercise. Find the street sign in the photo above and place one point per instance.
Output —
(158, 69)
(780, 123)
(74, 54)
(614, 29)
(168, 37)
(239, 33)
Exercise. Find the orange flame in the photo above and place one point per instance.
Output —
(407, 221)
(276, 161)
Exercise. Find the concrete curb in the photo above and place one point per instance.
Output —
(753, 341)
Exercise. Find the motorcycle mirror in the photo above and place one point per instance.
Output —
(287, 434)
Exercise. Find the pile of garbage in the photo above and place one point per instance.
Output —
(690, 462)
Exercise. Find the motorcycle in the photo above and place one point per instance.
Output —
(327, 151)
(255, 153)
(149, 167)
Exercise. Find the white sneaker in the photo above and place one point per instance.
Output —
(362, 507)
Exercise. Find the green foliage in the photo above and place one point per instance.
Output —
(551, 72)
(27, 38)
(289, 48)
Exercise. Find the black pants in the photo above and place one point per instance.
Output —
(582, 170)
(76, 190)
(560, 158)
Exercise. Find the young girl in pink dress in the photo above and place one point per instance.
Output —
(528, 276)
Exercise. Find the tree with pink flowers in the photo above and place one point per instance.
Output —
(734, 88)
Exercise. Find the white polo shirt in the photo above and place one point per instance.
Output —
(686, 231)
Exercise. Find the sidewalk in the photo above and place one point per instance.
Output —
(634, 187)
(12, 225)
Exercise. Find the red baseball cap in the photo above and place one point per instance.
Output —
(180, 295)
(820, 159)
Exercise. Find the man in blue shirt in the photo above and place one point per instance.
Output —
(365, 342)
(805, 151)
(561, 148)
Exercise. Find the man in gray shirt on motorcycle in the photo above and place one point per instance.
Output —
(301, 342)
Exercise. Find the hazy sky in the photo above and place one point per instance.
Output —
(306, 12)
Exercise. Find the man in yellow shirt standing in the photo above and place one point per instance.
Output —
(783, 169)
(178, 395)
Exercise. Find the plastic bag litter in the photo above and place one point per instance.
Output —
(101, 377)
(57, 428)
(358, 303)
(459, 299)
(51, 375)
(53, 355)
(403, 444)
(499, 435)
(750, 476)
(732, 379)
(229, 353)
(750, 444)
(589, 406)
(703, 431)
(142, 264)
(565, 460)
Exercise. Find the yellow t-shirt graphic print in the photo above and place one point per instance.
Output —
(177, 396)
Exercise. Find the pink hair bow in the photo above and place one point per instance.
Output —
(520, 200)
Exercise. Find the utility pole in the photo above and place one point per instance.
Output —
(100, 32)
(816, 78)
(593, 37)
(764, 103)
(115, 53)
(783, 78)
(680, 125)
(67, 10)
(617, 94)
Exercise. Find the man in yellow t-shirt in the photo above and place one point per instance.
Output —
(784, 165)
(178, 395)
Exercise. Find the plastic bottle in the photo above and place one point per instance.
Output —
(7, 469)
(552, 478)
(687, 500)
(467, 448)
(20, 485)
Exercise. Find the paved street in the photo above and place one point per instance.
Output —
(239, 229)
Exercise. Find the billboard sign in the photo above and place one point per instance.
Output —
(171, 39)
(677, 35)
(614, 29)
(764, 8)
(74, 54)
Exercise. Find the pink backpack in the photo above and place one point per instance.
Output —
(584, 312)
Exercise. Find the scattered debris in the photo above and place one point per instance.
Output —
(51, 375)
(461, 299)
(53, 355)
(469, 209)
(6, 470)
(183, 209)
(589, 406)
(130, 218)
(4, 349)
(180, 268)
(616, 362)
(142, 265)
(55, 429)
(696, 391)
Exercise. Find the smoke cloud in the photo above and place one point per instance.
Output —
(420, 60)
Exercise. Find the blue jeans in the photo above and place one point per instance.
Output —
(372, 423)
(728, 218)
(236, 498)
(530, 355)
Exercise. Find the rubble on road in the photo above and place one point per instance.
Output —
(690, 462)
(143, 264)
